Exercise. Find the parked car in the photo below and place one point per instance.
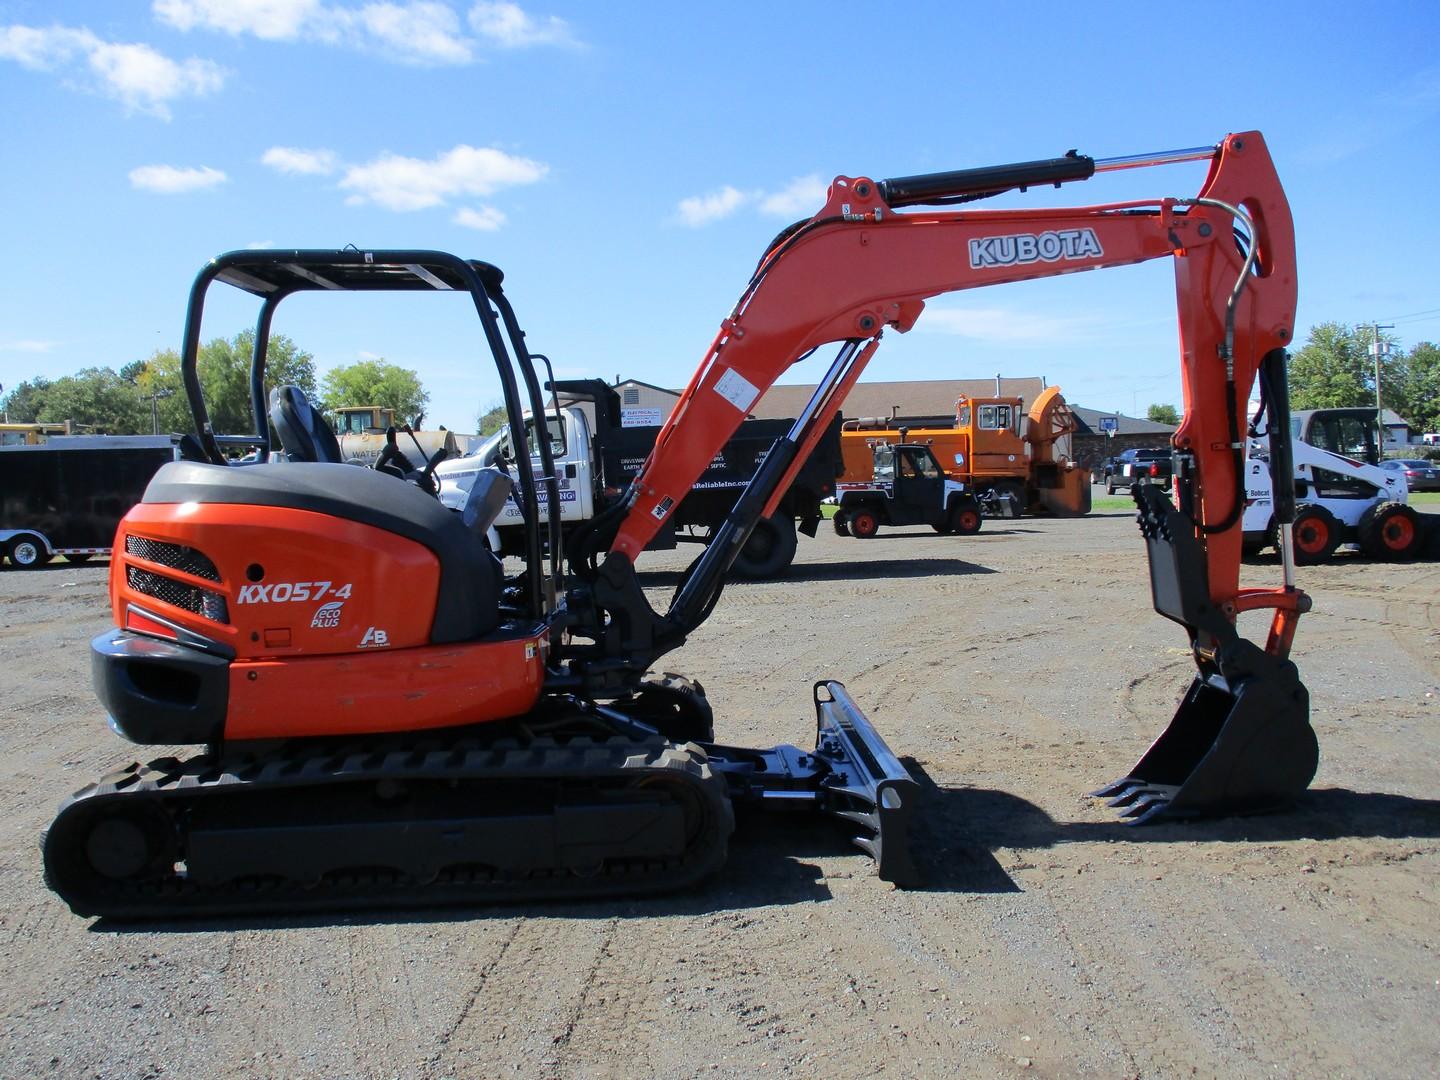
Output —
(1420, 475)
(1138, 466)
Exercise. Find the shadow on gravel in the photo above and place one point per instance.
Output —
(59, 565)
(875, 568)
(955, 830)
(764, 868)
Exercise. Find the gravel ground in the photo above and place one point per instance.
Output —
(1015, 669)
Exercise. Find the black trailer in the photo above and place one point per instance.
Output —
(620, 451)
(67, 496)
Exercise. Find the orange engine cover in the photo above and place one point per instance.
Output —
(283, 582)
(329, 621)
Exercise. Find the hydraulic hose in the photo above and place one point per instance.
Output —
(1227, 354)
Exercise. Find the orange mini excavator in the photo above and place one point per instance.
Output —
(389, 717)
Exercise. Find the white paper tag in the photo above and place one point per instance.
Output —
(737, 390)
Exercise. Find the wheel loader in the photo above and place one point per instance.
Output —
(386, 714)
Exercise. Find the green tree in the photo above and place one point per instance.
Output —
(377, 382)
(133, 371)
(1422, 387)
(491, 419)
(1335, 369)
(96, 397)
(23, 403)
(1163, 414)
(224, 370)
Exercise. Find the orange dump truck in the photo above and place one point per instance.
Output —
(993, 445)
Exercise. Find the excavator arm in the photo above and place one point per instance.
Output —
(859, 267)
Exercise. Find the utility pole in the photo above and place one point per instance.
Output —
(1379, 349)
(156, 396)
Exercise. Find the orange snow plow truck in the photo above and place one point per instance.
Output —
(1001, 452)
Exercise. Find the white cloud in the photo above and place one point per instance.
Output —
(146, 80)
(508, 26)
(29, 345)
(702, 209)
(136, 75)
(420, 33)
(1004, 326)
(802, 197)
(168, 180)
(40, 49)
(294, 161)
(270, 20)
(425, 32)
(406, 183)
(416, 32)
(484, 218)
(260, 245)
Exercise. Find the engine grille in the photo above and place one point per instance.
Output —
(203, 602)
(175, 556)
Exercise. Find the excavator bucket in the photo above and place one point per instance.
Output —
(1235, 749)
(1241, 740)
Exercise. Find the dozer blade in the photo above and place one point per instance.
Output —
(867, 785)
(851, 775)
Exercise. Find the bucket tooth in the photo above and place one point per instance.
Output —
(1142, 814)
(1150, 800)
(1115, 787)
(1126, 793)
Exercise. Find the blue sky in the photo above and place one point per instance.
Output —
(626, 163)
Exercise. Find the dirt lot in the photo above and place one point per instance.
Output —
(1016, 669)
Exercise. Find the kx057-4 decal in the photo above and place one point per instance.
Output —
(283, 592)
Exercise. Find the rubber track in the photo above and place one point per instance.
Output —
(177, 784)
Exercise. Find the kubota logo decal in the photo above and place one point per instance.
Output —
(283, 592)
(1034, 247)
(327, 616)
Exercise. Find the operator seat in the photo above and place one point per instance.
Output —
(304, 434)
(486, 499)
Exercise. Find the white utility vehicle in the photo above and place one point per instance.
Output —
(1338, 500)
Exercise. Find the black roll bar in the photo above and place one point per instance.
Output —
(272, 275)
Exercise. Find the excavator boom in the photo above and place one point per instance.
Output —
(858, 268)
